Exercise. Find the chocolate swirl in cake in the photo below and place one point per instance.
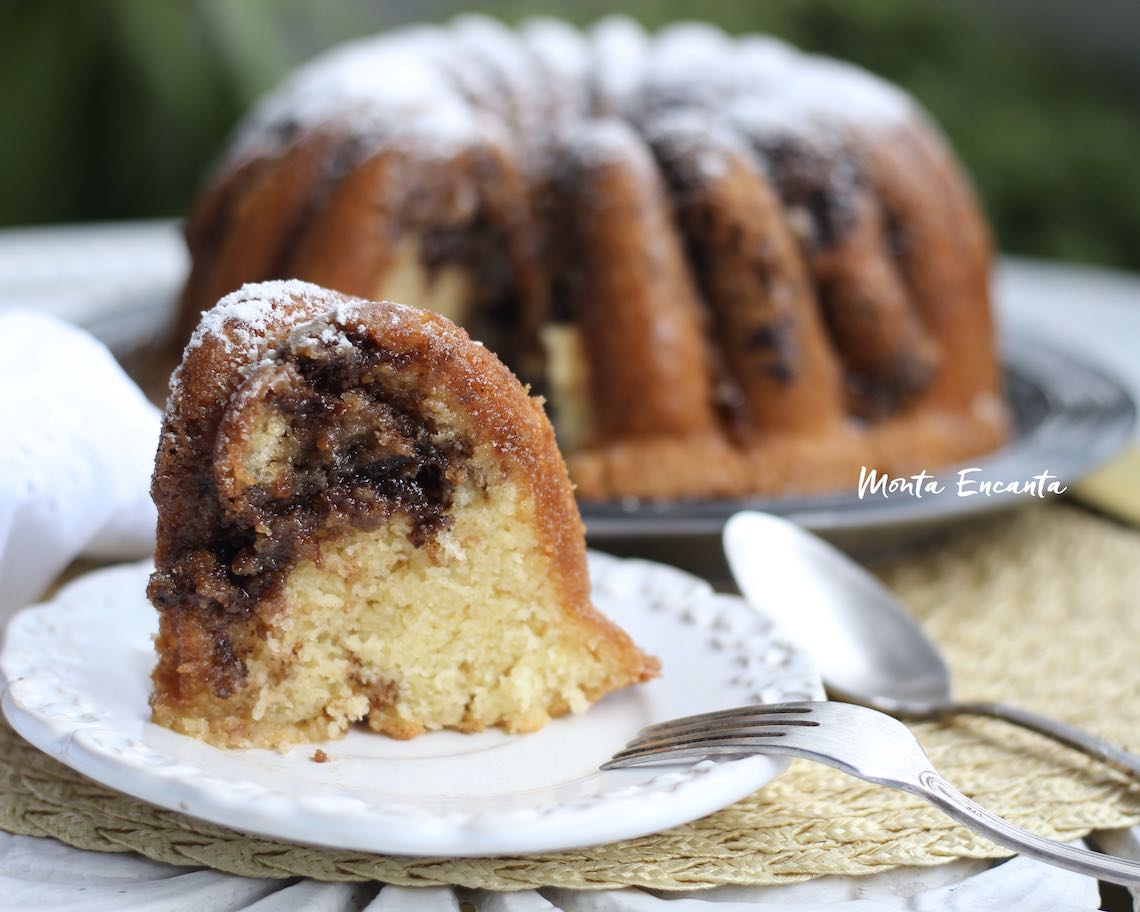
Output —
(363, 516)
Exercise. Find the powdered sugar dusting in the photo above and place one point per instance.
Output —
(563, 56)
(240, 320)
(621, 48)
(348, 313)
(687, 136)
(762, 63)
(443, 89)
(690, 65)
(326, 334)
(809, 96)
(374, 85)
(518, 79)
(331, 330)
(610, 142)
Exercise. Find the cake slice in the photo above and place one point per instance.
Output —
(364, 517)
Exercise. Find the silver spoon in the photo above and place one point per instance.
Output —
(869, 650)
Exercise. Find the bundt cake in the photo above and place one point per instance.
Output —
(362, 515)
(730, 267)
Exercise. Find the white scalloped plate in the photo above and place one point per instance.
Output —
(77, 678)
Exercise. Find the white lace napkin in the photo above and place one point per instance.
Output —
(77, 443)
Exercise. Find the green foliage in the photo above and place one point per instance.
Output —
(114, 108)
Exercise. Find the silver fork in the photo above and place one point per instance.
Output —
(864, 743)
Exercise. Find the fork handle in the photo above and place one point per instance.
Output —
(944, 796)
(1070, 735)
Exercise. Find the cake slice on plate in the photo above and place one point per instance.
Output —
(363, 516)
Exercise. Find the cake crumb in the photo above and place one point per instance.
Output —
(319, 756)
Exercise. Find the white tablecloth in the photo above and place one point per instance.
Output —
(46, 875)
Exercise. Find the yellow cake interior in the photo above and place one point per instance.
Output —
(465, 634)
(381, 531)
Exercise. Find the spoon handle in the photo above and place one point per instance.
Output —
(1070, 735)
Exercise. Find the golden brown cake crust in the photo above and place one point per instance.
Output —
(693, 244)
(635, 299)
(762, 303)
(217, 579)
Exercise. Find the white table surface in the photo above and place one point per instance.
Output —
(64, 271)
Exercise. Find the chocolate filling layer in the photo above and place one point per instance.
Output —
(360, 451)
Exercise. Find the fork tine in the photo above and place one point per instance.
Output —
(736, 713)
(657, 756)
(728, 732)
(689, 730)
(727, 745)
(877, 749)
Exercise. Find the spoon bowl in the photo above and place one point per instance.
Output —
(868, 648)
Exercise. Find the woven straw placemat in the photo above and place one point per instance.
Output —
(1038, 608)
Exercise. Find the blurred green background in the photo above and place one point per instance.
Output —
(112, 109)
